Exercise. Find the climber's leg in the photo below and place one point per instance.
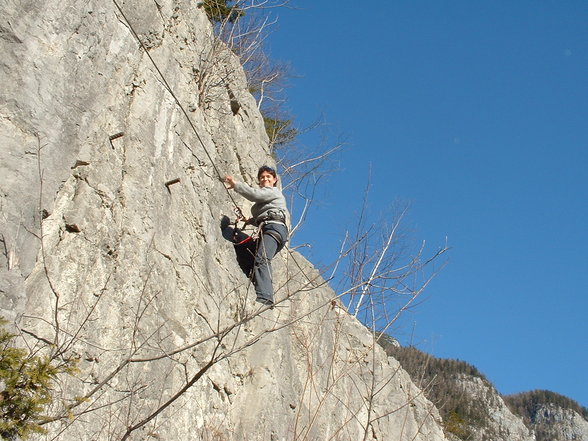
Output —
(271, 241)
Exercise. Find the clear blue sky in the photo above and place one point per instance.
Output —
(476, 113)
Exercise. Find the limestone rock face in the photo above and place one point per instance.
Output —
(115, 125)
(555, 423)
(500, 423)
(113, 253)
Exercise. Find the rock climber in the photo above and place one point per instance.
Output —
(269, 213)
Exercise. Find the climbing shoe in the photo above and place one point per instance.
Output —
(267, 302)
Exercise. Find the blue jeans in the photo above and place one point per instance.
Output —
(271, 240)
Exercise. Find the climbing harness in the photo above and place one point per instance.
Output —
(239, 213)
(238, 233)
(274, 235)
(272, 216)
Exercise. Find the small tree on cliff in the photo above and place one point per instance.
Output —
(26, 387)
(221, 10)
(241, 27)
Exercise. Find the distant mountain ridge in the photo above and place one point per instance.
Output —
(469, 404)
(552, 416)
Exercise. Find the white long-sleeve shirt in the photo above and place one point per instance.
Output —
(265, 199)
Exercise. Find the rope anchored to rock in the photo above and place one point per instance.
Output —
(179, 104)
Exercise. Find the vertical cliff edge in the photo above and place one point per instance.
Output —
(116, 120)
(113, 253)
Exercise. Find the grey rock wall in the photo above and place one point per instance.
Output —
(105, 263)
(556, 423)
(500, 424)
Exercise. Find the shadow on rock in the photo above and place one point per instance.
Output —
(244, 245)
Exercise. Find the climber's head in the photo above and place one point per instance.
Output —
(267, 176)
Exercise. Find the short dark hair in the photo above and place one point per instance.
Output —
(271, 171)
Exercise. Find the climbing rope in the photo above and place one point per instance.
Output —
(179, 104)
(237, 210)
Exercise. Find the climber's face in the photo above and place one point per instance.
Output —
(266, 179)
